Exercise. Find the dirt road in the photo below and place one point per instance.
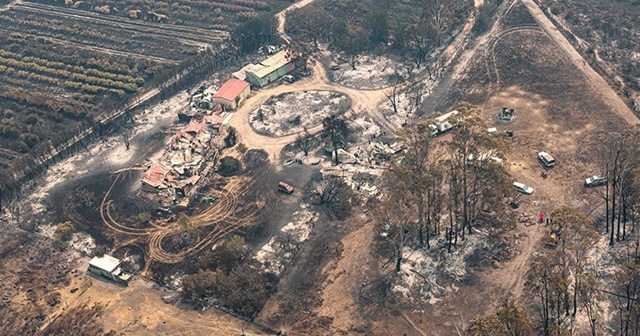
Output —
(282, 18)
(597, 82)
(362, 101)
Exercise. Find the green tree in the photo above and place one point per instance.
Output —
(226, 256)
(144, 217)
(64, 230)
(255, 32)
(509, 320)
(379, 27)
(229, 166)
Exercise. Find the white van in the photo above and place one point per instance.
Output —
(546, 159)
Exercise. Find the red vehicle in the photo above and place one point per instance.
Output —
(285, 188)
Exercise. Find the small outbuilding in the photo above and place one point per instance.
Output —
(231, 93)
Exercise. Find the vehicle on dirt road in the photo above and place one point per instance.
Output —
(285, 187)
(546, 159)
(523, 188)
(288, 79)
(595, 181)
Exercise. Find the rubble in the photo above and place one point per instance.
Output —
(291, 113)
(187, 161)
(428, 275)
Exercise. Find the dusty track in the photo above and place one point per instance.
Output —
(283, 15)
(596, 81)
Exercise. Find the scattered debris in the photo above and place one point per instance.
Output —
(507, 115)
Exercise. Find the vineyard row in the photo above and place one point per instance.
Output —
(85, 87)
(72, 68)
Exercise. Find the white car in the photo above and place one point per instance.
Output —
(595, 181)
(523, 188)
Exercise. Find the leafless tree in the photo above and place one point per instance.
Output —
(396, 79)
(392, 216)
(306, 142)
(617, 157)
(471, 140)
(589, 295)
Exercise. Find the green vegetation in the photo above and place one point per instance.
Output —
(224, 274)
(244, 289)
(64, 230)
(144, 217)
(229, 166)
(225, 256)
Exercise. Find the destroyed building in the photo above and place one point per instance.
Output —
(189, 158)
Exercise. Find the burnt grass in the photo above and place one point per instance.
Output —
(518, 16)
(300, 288)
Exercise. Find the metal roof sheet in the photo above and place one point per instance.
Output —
(106, 263)
(231, 89)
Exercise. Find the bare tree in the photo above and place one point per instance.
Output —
(545, 283)
(306, 142)
(354, 42)
(589, 295)
(309, 23)
(125, 136)
(577, 238)
(397, 78)
(417, 161)
(617, 156)
(333, 194)
(438, 15)
(335, 130)
(392, 217)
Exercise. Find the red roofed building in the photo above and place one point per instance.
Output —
(231, 93)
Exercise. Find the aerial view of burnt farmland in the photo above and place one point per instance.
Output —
(319, 167)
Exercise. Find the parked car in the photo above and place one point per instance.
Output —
(523, 188)
(595, 181)
(288, 79)
(285, 188)
(546, 159)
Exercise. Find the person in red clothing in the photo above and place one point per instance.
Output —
(541, 218)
